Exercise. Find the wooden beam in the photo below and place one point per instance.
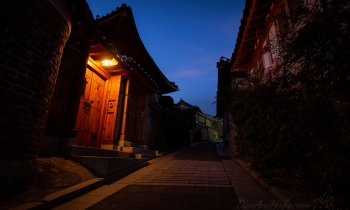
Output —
(247, 25)
(249, 44)
(261, 15)
(250, 38)
(263, 4)
(258, 22)
(257, 52)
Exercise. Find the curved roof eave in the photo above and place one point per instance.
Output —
(249, 13)
(246, 13)
(113, 31)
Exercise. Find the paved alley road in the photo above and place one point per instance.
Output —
(192, 179)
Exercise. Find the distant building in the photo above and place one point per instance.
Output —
(210, 127)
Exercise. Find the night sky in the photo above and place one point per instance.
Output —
(185, 39)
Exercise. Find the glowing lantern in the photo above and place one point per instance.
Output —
(112, 62)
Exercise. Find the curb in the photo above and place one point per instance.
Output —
(222, 154)
(282, 197)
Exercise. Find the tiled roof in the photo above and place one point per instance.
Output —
(120, 30)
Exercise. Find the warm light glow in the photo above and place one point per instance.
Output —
(112, 62)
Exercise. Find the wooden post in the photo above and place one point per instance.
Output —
(125, 109)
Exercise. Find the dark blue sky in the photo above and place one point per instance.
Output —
(185, 39)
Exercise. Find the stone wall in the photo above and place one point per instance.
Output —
(33, 38)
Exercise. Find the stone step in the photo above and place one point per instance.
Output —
(114, 151)
(136, 150)
(89, 151)
(143, 146)
(130, 144)
(136, 155)
(104, 166)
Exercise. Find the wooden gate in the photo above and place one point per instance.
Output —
(90, 111)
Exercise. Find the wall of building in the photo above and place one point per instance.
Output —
(209, 134)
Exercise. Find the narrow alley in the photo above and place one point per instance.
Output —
(195, 178)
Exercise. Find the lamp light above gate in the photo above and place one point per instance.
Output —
(112, 62)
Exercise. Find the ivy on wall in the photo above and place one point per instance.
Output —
(298, 120)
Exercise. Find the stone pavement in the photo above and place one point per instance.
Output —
(190, 179)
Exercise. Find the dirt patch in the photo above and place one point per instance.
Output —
(50, 174)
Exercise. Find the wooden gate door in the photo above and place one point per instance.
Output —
(90, 110)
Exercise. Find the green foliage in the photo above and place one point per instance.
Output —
(299, 120)
(169, 133)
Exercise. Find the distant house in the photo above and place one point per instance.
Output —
(68, 79)
(210, 127)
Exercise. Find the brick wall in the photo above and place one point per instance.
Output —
(33, 35)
